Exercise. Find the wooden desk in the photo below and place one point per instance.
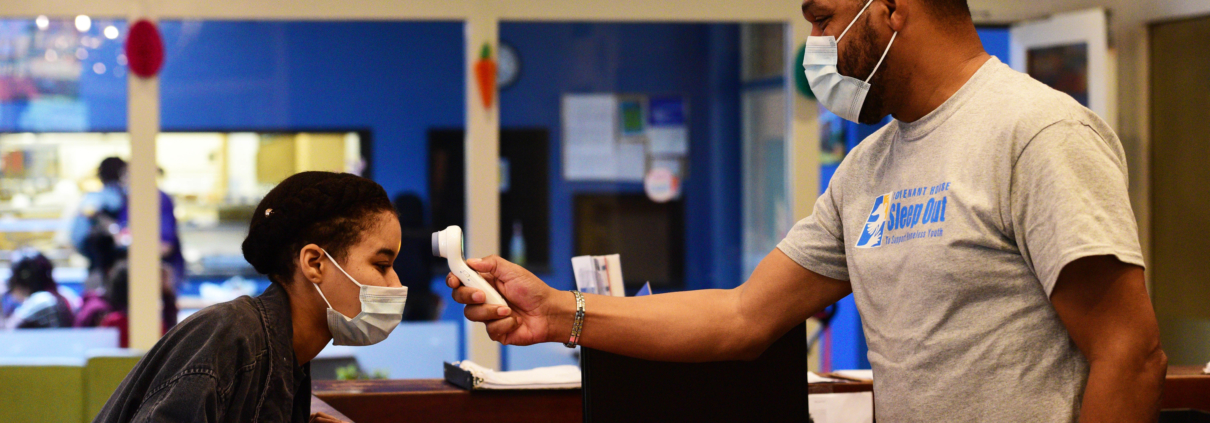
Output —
(435, 400)
(1186, 387)
(839, 388)
(319, 406)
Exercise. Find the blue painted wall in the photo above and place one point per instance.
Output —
(849, 350)
(698, 61)
(397, 79)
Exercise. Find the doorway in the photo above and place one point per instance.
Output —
(1180, 148)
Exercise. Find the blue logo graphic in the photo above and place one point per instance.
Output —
(871, 234)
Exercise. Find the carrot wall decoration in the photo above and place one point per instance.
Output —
(485, 75)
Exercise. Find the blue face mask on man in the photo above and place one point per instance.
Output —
(842, 95)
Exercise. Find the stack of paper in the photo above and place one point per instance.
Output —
(855, 374)
(599, 275)
(814, 378)
(857, 407)
(556, 377)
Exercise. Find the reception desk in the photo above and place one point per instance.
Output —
(435, 400)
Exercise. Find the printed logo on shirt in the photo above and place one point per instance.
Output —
(871, 234)
(895, 216)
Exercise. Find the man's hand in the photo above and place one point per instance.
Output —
(527, 321)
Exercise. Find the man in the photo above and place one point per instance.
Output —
(986, 236)
(101, 233)
(94, 229)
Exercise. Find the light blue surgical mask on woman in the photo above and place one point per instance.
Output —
(842, 95)
(381, 312)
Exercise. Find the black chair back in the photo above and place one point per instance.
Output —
(772, 388)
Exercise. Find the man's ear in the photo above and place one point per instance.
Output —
(898, 12)
(310, 263)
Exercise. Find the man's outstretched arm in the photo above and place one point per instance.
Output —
(688, 326)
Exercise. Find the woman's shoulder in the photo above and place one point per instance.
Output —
(210, 349)
(218, 338)
(236, 323)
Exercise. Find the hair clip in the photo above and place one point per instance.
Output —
(268, 212)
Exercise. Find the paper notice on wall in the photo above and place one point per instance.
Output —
(632, 162)
(590, 150)
(668, 129)
(855, 407)
(669, 141)
(673, 165)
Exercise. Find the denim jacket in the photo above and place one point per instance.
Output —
(231, 362)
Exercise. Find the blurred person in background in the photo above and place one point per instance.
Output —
(109, 306)
(96, 305)
(96, 227)
(32, 285)
(116, 298)
(414, 265)
(101, 233)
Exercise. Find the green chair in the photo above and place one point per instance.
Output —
(41, 390)
(103, 372)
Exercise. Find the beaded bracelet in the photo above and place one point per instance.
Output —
(578, 324)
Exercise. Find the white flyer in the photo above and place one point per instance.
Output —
(590, 150)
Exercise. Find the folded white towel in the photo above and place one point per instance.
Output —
(556, 377)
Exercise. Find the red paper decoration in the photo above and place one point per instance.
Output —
(144, 49)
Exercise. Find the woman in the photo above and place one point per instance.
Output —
(32, 285)
(326, 241)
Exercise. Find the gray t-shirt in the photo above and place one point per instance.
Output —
(952, 231)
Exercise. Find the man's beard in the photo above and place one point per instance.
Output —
(858, 62)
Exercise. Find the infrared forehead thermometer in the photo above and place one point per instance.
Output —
(448, 244)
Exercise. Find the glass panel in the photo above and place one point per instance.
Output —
(634, 139)
(62, 110)
(768, 214)
(62, 74)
